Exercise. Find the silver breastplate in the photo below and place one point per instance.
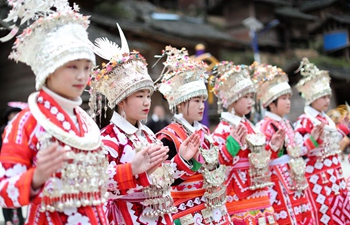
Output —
(259, 160)
(330, 144)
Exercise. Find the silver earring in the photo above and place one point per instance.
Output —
(122, 113)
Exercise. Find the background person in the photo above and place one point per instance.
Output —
(13, 108)
(247, 195)
(158, 120)
(320, 144)
(199, 192)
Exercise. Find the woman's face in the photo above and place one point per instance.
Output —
(136, 106)
(193, 109)
(282, 106)
(243, 105)
(321, 104)
(69, 80)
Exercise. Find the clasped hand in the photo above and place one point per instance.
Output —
(149, 158)
(239, 133)
(317, 131)
(277, 139)
(51, 159)
(190, 147)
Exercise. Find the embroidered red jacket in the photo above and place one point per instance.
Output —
(18, 161)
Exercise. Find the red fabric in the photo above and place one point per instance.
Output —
(220, 137)
(124, 176)
(127, 196)
(248, 125)
(176, 134)
(290, 207)
(238, 179)
(327, 189)
(18, 163)
(329, 194)
(322, 119)
(188, 194)
(344, 128)
(303, 128)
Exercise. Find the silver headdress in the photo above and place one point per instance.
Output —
(231, 82)
(124, 74)
(271, 82)
(182, 78)
(314, 84)
(53, 39)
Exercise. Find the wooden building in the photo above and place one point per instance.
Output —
(291, 29)
(147, 28)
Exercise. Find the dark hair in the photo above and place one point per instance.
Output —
(116, 106)
(275, 102)
(186, 102)
(188, 107)
(8, 111)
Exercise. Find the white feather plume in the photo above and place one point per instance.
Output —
(124, 43)
(106, 49)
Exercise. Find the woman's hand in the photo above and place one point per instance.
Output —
(49, 161)
(317, 131)
(189, 147)
(243, 135)
(148, 158)
(277, 139)
(239, 133)
(158, 160)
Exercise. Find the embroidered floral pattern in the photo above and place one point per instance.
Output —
(78, 219)
(60, 116)
(177, 172)
(13, 191)
(14, 174)
(198, 219)
(16, 170)
(120, 151)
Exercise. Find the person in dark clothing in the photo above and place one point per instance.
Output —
(158, 120)
(11, 216)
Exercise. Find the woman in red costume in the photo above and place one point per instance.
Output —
(52, 157)
(242, 149)
(287, 196)
(320, 138)
(198, 191)
(138, 182)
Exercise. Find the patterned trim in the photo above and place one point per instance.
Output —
(311, 143)
(89, 142)
(124, 176)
